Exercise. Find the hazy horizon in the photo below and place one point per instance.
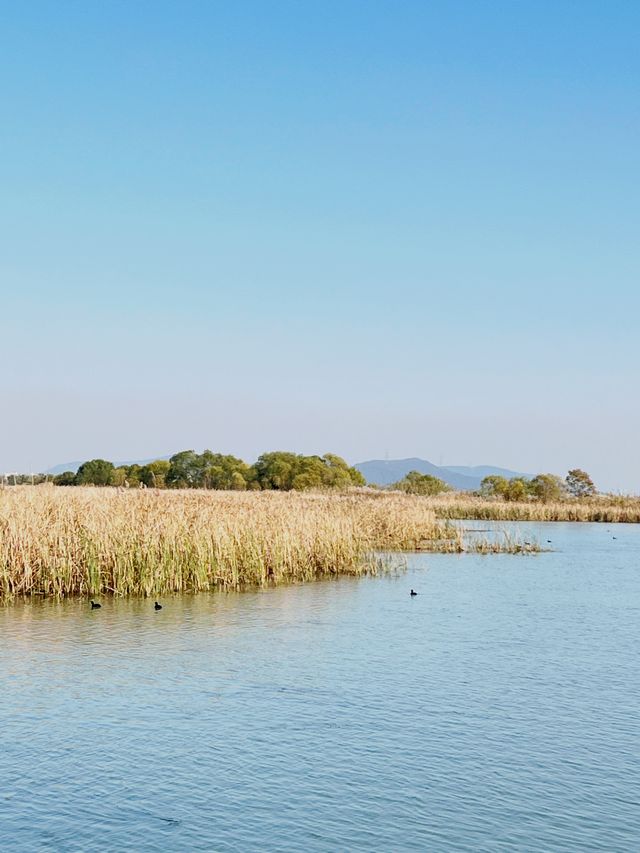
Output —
(401, 230)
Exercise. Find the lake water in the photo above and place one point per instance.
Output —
(497, 710)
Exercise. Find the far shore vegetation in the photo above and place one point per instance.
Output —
(286, 471)
(545, 497)
(279, 471)
(608, 509)
(545, 488)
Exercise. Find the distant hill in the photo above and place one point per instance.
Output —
(383, 472)
(482, 471)
(64, 466)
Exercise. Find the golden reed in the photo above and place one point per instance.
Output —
(88, 541)
(607, 508)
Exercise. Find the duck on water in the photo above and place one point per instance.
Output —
(96, 606)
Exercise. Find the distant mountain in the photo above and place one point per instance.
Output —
(73, 466)
(383, 472)
(482, 471)
(64, 466)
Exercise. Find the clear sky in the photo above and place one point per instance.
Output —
(404, 228)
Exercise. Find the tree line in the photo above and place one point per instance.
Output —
(279, 470)
(542, 487)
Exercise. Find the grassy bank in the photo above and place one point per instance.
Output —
(608, 509)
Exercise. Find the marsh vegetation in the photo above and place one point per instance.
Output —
(92, 541)
(600, 508)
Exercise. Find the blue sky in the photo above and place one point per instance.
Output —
(366, 227)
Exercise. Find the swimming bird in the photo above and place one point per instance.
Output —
(413, 592)
(157, 606)
(95, 605)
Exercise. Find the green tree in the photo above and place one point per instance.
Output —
(339, 474)
(95, 472)
(276, 470)
(579, 484)
(518, 489)
(133, 475)
(238, 482)
(154, 474)
(547, 488)
(207, 470)
(67, 478)
(185, 471)
(415, 483)
(316, 472)
(118, 476)
(284, 471)
(494, 486)
(219, 471)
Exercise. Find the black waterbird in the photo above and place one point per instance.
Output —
(157, 606)
(95, 605)
(413, 592)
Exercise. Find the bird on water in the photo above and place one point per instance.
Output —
(413, 592)
(157, 606)
(95, 605)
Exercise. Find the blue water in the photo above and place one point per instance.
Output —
(497, 710)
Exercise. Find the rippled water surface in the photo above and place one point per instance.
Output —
(497, 710)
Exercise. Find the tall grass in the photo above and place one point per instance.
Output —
(88, 541)
(608, 509)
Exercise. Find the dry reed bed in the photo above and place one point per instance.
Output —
(608, 509)
(88, 541)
